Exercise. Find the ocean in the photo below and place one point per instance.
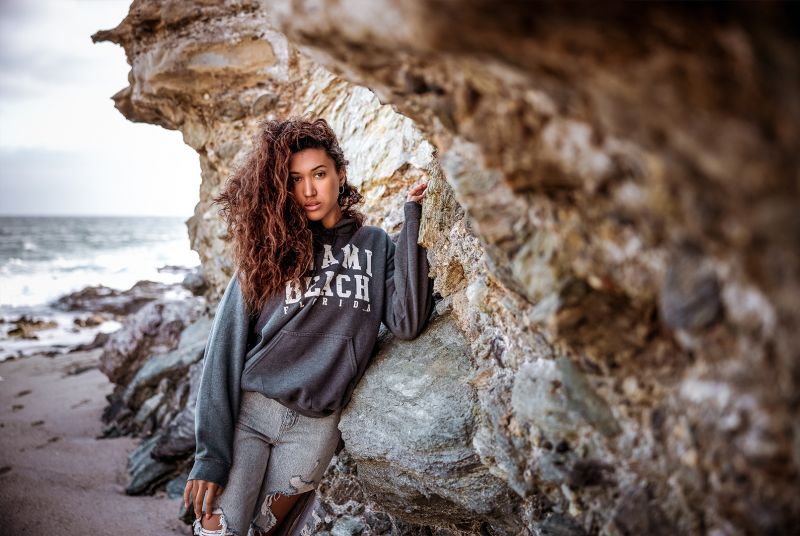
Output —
(45, 257)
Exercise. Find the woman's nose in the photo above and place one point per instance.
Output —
(308, 188)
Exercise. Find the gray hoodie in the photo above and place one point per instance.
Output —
(310, 346)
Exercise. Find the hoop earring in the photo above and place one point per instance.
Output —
(341, 189)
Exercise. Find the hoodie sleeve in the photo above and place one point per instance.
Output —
(218, 397)
(409, 290)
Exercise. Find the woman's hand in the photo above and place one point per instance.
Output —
(417, 193)
(195, 490)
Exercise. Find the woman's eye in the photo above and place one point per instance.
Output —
(298, 178)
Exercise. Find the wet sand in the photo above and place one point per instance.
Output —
(56, 477)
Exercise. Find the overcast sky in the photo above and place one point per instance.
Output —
(64, 148)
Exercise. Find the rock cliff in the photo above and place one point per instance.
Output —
(612, 219)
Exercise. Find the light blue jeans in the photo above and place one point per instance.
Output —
(275, 450)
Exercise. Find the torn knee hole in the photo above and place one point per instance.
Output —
(266, 511)
(300, 485)
(223, 530)
(296, 487)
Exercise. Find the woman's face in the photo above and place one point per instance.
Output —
(315, 185)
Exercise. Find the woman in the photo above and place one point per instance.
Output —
(296, 326)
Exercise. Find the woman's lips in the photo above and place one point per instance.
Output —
(315, 206)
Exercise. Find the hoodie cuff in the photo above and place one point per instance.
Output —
(211, 470)
(412, 210)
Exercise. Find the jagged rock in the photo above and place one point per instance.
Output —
(89, 321)
(435, 473)
(146, 473)
(173, 364)
(341, 494)
(102, 299)
(25, 327)
(155, 328)
(347, 526)
(177, 440)
(175, 487)
(148, 408)
(689, 297)
(162, 395)
(100, 339)
(638, 513)
(559, 525)
(195, 282)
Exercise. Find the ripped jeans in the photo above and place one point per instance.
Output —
(275, 450)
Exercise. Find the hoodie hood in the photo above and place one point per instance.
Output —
(337, 236)
(344, 227)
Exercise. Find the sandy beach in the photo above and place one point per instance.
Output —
(56, 477)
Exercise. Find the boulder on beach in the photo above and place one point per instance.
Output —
(102, 299)
(26, 326)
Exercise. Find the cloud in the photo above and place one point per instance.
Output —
(28, 75)
(36, 181)
(64, 148)
(16, 11)
(30, 65)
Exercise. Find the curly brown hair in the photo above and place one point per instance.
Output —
(273, 242)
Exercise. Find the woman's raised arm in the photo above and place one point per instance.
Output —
(409, 290)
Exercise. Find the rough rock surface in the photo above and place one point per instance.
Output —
(100, 298)
(433, 471)
(153, 329)
(612, 220)
(155, 360)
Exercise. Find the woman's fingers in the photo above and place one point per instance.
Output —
(417, 192)
(417, 188)
(212, 491)
(199, 492)
(187, 492)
